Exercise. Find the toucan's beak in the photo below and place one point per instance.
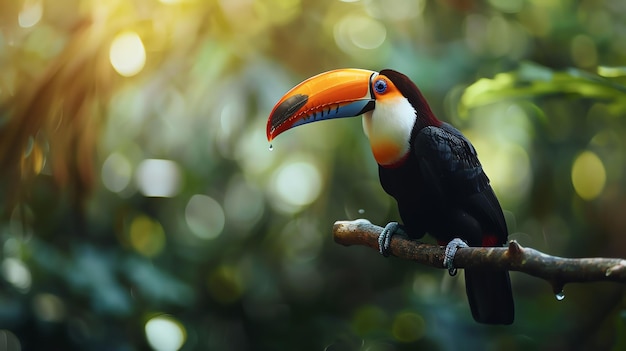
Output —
(334, 94)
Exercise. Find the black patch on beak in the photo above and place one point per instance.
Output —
(370, 106)
(286, 109)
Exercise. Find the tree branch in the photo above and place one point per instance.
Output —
(556, 270)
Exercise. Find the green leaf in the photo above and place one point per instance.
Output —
(532, 81)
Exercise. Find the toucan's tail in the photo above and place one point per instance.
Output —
(490, 296)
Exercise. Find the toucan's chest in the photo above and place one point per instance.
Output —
(403, 180)
(405, 184)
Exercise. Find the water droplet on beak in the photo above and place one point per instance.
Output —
(271, 147)
(560, 296)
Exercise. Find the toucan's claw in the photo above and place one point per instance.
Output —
(384, 239)
(448, 259)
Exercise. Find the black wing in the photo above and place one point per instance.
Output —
(451, 170)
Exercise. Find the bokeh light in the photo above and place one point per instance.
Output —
(408, 327)
(501, 144)
(165, 333)
(146, 236)
(158, 178)
(361, 32)
(368, 319)
(508, 166)
(17, 273)
(127, 54)
(588, 175)
(295, 185)
(254, 159)
(583, 50)
(116, 172)
(49, 307)
(9, 341)
(204, 216)
(32, 11)
(396, 10)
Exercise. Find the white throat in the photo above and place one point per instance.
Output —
(388, 128)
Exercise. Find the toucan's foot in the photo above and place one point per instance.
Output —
(448, 259)
(384, 239)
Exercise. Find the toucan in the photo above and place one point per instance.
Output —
(428, 166)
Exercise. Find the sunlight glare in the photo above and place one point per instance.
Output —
(127, 54)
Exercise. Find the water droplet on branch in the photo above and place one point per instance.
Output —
(560, 296)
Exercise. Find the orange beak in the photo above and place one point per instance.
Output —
(333, 94)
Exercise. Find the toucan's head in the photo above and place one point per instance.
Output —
(391, 103)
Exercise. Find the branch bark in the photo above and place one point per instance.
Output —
(556, 270)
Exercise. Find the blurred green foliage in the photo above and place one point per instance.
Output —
(143, 210)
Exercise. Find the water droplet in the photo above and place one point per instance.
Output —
(361, 211)
(560, 296)
(271, 147)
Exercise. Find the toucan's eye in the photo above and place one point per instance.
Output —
(380, 86)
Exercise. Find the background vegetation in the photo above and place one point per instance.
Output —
(142, 209)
